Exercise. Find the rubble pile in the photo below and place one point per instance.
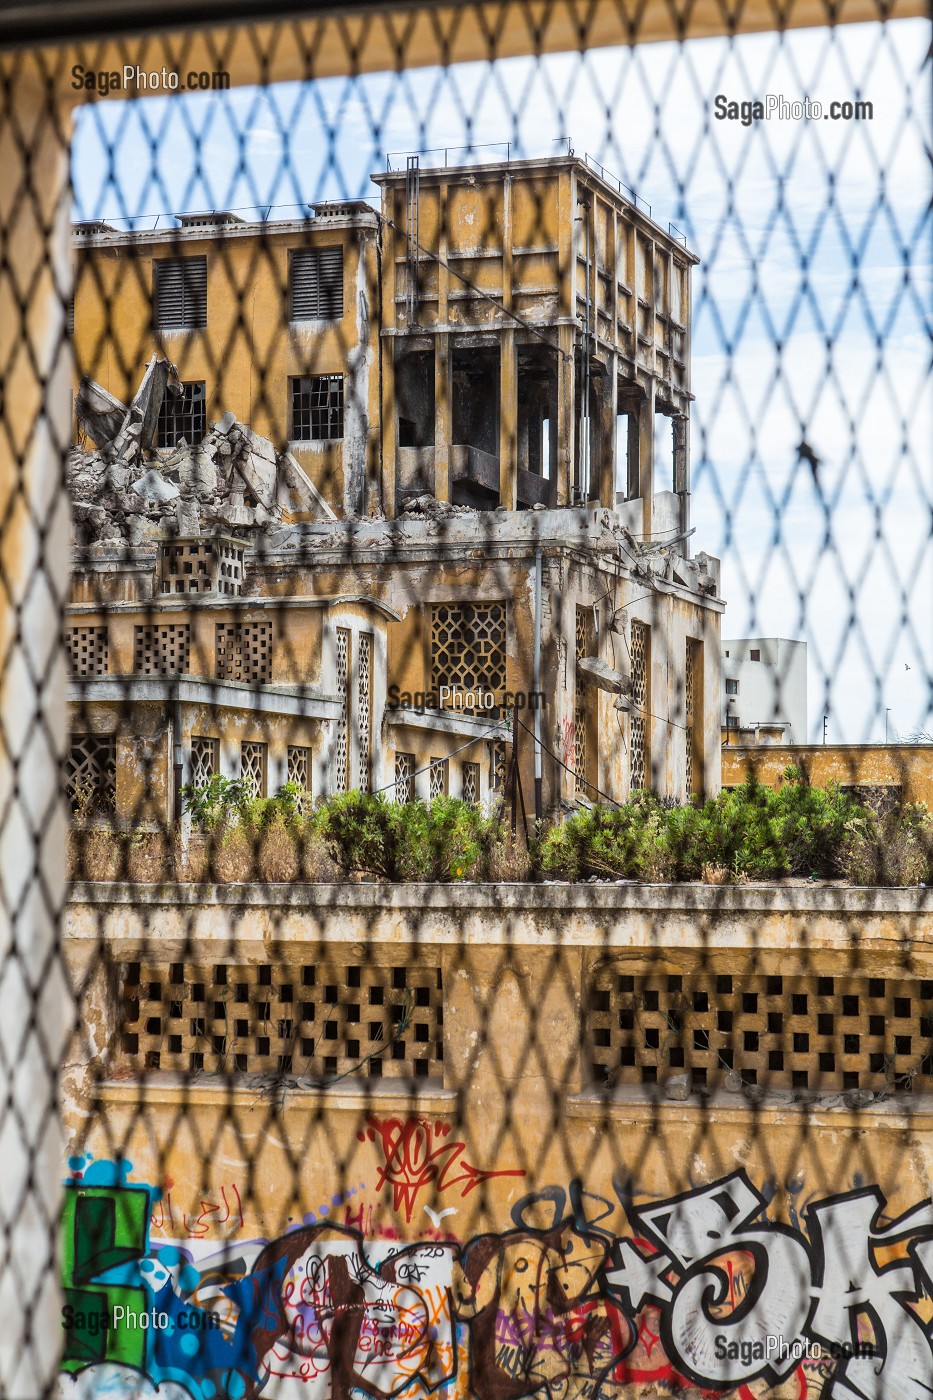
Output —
(125, 491)
(426, 507)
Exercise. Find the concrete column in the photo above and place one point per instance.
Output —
(443, 417)
(682, 470)
(646, 458)
(508, 421)
(389, 426)
(566, 416)
(606, 436)
(35, 1011)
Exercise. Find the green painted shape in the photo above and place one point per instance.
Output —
(103, 1227)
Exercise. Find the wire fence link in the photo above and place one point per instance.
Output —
(467, 702)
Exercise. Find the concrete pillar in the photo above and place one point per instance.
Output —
(566, 416)
(508, 421)
(443, 417)
(35, 1012)
(608, 407)
(389, 425)
(682, 469)
(646, 458)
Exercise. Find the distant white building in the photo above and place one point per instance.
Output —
(764, 690)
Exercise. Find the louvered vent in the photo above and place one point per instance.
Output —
(180, 288)
(316, 280)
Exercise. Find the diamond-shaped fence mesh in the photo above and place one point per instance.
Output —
(467, 702)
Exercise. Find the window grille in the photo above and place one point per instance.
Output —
(91, 773)
(364, 707)
(733, 722)
(298, 767)
(180, 293)
(404, 777)
(317, 408)
(468, 643)
(437, 778)
(244, 652)
(317, 1018)
(253, 767)
(161, 649)
(88, 651)
(315, 284)
(496, 765)
(183, 416)
(205, 759)
(342, 744)
(639, 758)
(470, 789)
(812, 1034)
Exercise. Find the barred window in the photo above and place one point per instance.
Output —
(183, 416)
(317, 408)
(315, 281)
(180, 293)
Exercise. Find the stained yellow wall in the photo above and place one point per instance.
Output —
(909, 766)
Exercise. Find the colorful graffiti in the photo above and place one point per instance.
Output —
(706, 1296)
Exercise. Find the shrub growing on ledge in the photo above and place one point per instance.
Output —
(752, 832)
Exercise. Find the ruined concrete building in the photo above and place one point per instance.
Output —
(366, 499)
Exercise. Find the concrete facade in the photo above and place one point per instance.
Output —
(506, 339)
(706, 1138)
(764, 690)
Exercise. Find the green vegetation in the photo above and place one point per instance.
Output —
(750, 833)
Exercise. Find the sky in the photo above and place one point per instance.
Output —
(811, 303)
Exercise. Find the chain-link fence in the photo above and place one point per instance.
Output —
(466, 610)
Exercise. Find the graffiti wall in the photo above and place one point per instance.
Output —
(705, 1293)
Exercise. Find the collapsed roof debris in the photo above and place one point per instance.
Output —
(127, 491)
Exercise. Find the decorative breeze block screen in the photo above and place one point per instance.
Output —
(205, 759)
(438, 778)
(321, 1019)
(364, 707)
(342, 736)
(640, 767)
(244, 652)
(470, 787)
(91, 771)
(253, 767)
(88, 651)
(162, 649)
(791, 1034)
(468, 648)
(404, 777)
